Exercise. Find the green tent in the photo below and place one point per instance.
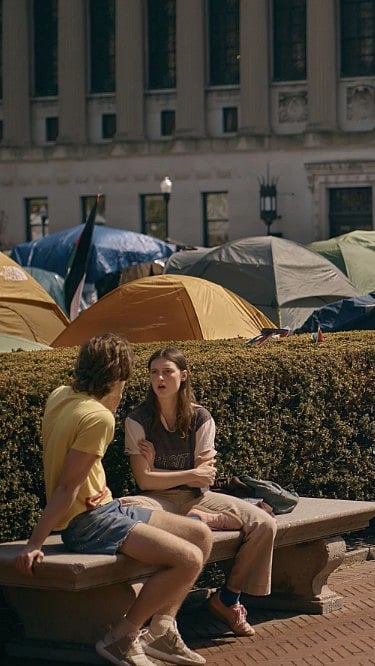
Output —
(354, 255)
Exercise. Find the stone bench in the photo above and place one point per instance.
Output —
(71, 598)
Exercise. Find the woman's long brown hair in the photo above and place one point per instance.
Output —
(185, 398)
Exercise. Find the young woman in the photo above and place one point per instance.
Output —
(171, 443)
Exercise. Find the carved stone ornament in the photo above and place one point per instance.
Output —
(293, 107)
(360, 102)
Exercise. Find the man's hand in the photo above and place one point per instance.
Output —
(27, 558)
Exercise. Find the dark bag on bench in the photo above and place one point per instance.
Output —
(281, 500)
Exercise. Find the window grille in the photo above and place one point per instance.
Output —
(161, 19)
(224, 42)
(357, 18)
(289, 40)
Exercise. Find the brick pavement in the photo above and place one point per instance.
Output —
(345, 637)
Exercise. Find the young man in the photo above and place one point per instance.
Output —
(78, 425)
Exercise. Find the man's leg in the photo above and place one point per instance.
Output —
(180, 560)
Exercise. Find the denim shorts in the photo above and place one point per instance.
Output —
(103, 529)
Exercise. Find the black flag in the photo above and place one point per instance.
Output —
(77, 266)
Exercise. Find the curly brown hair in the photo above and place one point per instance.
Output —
(102, 361)
(185, 398)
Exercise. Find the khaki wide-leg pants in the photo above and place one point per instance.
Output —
(251, 571)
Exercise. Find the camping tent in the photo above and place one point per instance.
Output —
(347, 314)
(112, 250)
(167, 307)
(359, 237)
(26, 309)
(354, 259)
(9, 343)
(281, 278)
(53, 283)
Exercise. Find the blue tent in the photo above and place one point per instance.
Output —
(54, 284)
(112, 251)
(348, 314)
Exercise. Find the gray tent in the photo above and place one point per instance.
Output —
(281, 278)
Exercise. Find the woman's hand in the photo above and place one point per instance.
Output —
(147, 449)
(266, 507)
(26, 559)
(203, 475)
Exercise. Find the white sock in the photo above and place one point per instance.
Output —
(160, 624)
(125, 628)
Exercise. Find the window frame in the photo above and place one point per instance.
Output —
(33, 206)
(161, 45)
(223, 45)
(290, 70)
(350, 65)
(207, 236)
(158, 232)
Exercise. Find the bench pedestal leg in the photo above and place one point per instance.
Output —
(58, 623)
(299, 577)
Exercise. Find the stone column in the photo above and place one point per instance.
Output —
(129, 70)
(71, 71)
(16, 86)
(190, 120)
(254, 67)
(321, 64)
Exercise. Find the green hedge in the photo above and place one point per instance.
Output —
(294, 411)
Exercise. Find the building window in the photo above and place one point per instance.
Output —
(357, 37)
(37, 220)
(289, 43)
(350, 208)
(87, 203)
(230, 122)
(167, 123)
(1, 50)
(224, 42)
(154, 216)
(215, 218)
(108, 125)
(52, 128)
(102, 46)
(161, 16)
(45, 48)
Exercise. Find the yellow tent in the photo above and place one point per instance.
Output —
(26, 309)
(167, 307)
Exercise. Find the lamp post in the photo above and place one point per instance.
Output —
(166, 189)
(43, 213)
(268, 202)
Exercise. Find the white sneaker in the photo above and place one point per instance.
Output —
(125, 651)
(170, 647)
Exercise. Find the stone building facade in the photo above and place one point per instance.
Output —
(220, 95)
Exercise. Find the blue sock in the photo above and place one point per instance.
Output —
(228, 597)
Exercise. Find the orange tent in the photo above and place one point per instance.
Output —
(167, 307)
(26, 309)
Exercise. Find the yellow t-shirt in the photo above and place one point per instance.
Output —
(76, 421)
